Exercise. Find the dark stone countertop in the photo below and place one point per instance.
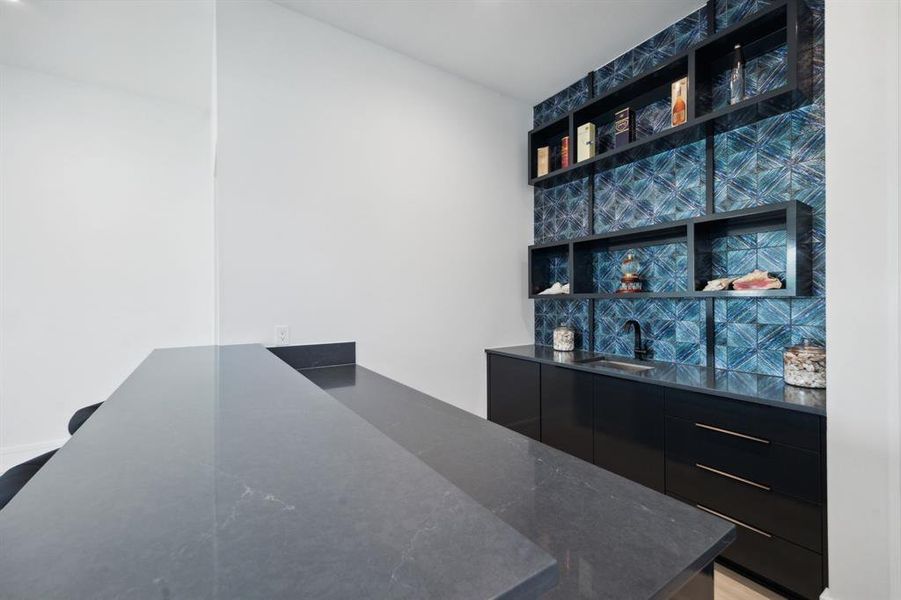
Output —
(612, 538)
(221, 472)
(761, 389)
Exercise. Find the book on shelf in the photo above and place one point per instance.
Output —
(555, 157)
(564, 152)
(585, 135)
(544, 160)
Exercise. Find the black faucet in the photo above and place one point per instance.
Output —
(640, 352)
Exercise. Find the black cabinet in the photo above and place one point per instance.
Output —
(629, 430)
(514, 394)
(567, 411)
(762, 468)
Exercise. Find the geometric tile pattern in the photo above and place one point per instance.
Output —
(664, 268)
(561, 211)
(558, 269)
(729, 12)
(561, 103)
(665, 187)
(653, 51)
(672, 328)
(780, 158)
(553, 312)
(737, 255)
(751, 333)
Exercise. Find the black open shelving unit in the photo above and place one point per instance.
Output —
(783, 24)
(793, 217)
(778, 25)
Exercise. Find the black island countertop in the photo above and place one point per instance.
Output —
(221, 472)
(750, 387)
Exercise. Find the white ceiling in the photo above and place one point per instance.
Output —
(158, 48)
(527, 49)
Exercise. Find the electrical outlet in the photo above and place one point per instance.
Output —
(282, 336)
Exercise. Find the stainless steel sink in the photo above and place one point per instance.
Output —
(615, 364)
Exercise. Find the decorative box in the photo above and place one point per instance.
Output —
(624, 127)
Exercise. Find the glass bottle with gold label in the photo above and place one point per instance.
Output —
(679, 107)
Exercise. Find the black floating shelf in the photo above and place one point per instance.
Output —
(572, 261)
(761, 32)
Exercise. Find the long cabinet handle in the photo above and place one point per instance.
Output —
(732, 433)
(733, 477)
(734, 521)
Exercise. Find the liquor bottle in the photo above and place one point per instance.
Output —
(737, 79)
(679, 107)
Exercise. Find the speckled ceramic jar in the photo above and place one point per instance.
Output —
(564, 339)
(805, 365)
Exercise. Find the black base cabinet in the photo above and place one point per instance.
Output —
(758, 466)
(763, 469)
(628, 430)
(567, 410)
(514, 394)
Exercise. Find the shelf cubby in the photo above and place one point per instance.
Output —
(648, 96)
(781, 233)
(745, 233)
(596, 259)
(763, 37)
(550, 134)
(549, 264)
(774, 29)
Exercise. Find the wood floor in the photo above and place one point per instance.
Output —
(729, 585)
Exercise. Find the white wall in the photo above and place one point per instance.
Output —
(106, 246)
(364, 196)
(862, 183)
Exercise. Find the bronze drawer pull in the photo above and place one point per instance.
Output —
(733, 433)
(734, 521)
(734, 477)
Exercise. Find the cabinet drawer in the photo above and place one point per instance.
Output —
(787, 471)
(792, 567)
(789, 518)
(767, 423)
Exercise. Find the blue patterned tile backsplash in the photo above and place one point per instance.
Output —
(561, 103)
(664, 187)
(553, 312)
(774, 160)
(673, 329)
(739, 254)
(561, 212)
(751, 333)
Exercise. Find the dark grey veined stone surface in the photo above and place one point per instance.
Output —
(612, 538)
(317, 355)
(750, 387)
(223, 473)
